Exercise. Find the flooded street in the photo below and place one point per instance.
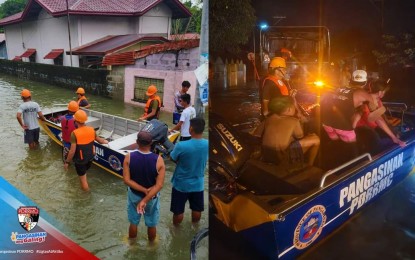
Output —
(96, 220)
(385, 229)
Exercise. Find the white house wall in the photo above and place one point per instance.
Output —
(54, 35)
(14, 41)
(157, 20)
(91, 28)
(44, 34)
(49, 33)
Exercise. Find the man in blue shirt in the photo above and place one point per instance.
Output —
(188, 178)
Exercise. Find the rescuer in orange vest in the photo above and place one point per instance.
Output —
(82, 149)
(273, 85)
(82, 101)
(153, 105)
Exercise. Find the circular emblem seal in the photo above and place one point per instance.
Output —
(114, 162)
(310, 226)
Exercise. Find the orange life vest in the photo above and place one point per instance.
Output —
(85, 137)
(80, 99)
(149, 107)
(279, 83)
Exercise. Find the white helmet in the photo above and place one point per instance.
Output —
(359, 76)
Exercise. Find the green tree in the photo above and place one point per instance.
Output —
(191, 24)
(396, 51)
(230, 24)
(11, 7)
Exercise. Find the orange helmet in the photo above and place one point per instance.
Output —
(277, 62)
(80, 116)
(80, 91)
(151, 90)
(73, 106)
(25, 93)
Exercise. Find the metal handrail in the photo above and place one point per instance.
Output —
(330, 172)
(195, 241)
(396, 104)
(56, 105)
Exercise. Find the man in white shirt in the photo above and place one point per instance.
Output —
(184, 123)
(178, 106)
(30, 110)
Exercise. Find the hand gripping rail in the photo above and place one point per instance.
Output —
(330, 172)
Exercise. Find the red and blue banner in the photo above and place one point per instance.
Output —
(27, 232)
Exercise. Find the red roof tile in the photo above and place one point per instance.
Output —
(53, 54)
(10, 18)
(125, 58)
(97, 7)
(28, 53)
(112, 43)
(185, 36)
(128, 58)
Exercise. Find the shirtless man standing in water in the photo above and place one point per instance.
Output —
(282, 133)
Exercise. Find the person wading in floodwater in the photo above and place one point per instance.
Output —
(82, 101)
(29, 110)
(82, 149)
(153, 105)
(143, 173)
(68, 126)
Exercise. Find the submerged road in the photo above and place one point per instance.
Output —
(97, 220)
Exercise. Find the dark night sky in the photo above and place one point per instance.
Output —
(353, 24)
(399, 15)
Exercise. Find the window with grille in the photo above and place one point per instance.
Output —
(141, 86)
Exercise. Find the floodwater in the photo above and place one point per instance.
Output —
(95, 220)
(384, 229)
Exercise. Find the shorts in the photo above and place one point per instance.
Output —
(152, 210)
(82, 168)
(31, 136)
(348, 136)
(293, 155)
(185, 138)
(178, 201)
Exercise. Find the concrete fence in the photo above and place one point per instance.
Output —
(229, 74)
(93, 81)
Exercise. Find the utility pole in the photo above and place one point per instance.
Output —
(203, 57)
(69, 31)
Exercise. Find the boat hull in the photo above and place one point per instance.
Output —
(109, 159)
(283, 213)
(289, 232)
